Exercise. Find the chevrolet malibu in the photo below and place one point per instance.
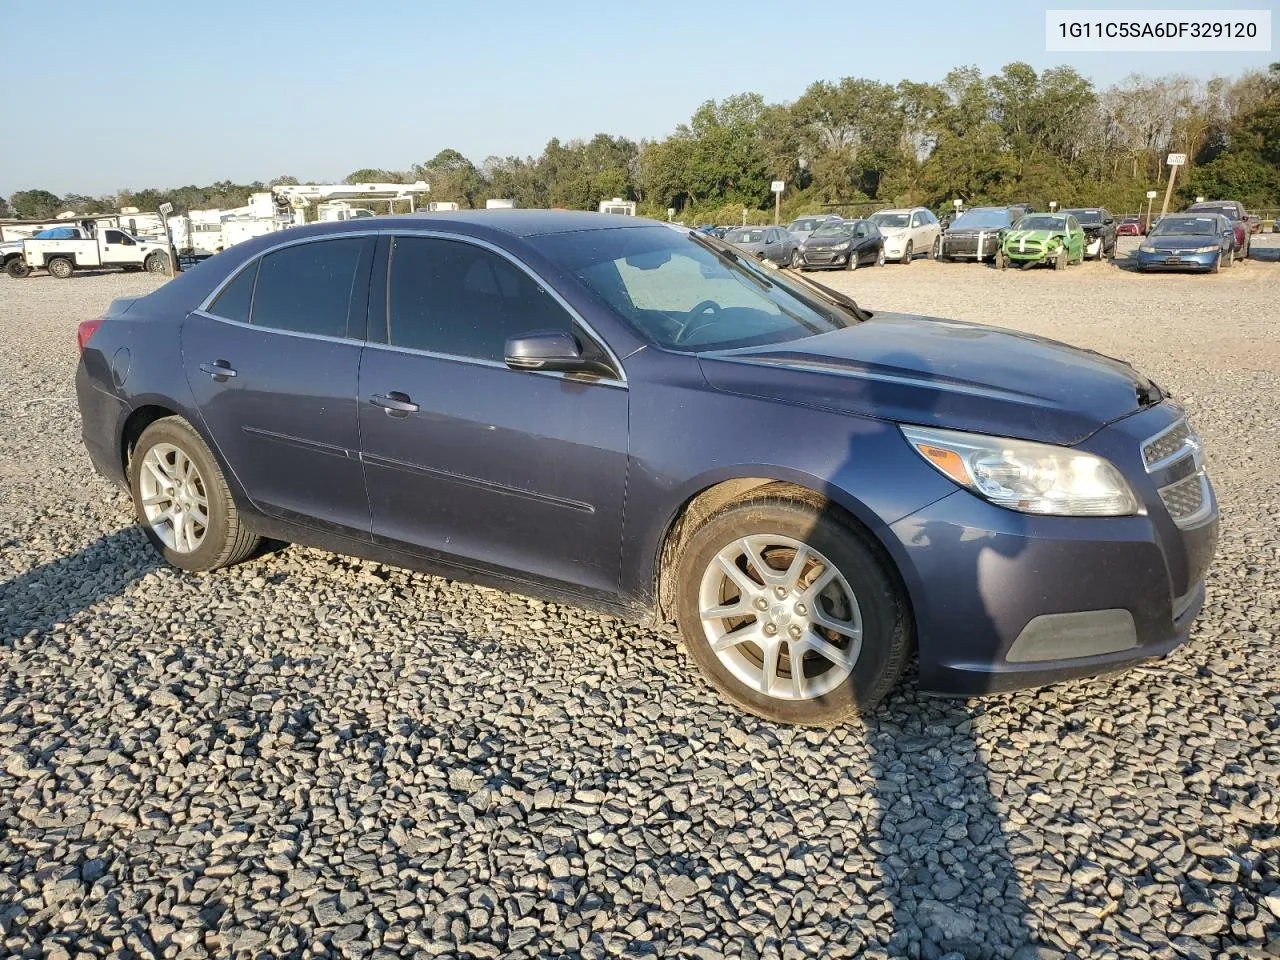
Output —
(645, 421)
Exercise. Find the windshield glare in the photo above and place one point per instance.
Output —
(805, 225)
(681, 295)
(982, 217)
(745, 236)
(1186, 227)
(890, 221)
(1087, 216)
(1041, 223)
(833, 231)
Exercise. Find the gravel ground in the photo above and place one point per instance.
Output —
(313, 756)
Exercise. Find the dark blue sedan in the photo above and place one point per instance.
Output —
(1198, 242)
(639, 419)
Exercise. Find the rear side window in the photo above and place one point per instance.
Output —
(456, 298)
(233, 302)
(308, 288)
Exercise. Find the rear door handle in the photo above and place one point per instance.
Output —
(395, 403)
(219, 370)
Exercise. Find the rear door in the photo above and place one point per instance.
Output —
(512, 471)
(274, 364)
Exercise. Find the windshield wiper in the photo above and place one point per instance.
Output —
(732, 257)
(834, 297)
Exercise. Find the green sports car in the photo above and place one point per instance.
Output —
(1055, 238)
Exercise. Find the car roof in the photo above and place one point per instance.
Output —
(514, 223)
(899, 210)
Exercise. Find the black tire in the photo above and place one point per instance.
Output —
(226, 539)
(853, 260)
(1001, 261)
(887, 630)
(880, 258)
(796, 260)
(1231, 257)
(932, 252)
(157, 263)
(60, 267)
(907, 254)
(1216, 266)
(1060, 261)
(17, 268)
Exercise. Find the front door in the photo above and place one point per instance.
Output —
(275, 375)
(118, 247)
(509, 471)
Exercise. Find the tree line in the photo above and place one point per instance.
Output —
(1014, 136)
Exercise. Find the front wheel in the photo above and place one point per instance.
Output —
(1001, 260)
(790, 611)
(1060, 261)
(880, 258)
(182, 501)
(1231, 257)
(157, 263)
(796, 260)
(1216, 265)
(17, 268)
(907, 254)
(853, 260)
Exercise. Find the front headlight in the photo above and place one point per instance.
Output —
(1147, 248)
(1025, 476)
(841, 246)
(1212, 248)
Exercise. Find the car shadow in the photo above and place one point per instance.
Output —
(39, 599)
(941, 851)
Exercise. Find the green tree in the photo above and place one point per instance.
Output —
(36, 204)
(5, 209)
(451, 176)
(374, 175)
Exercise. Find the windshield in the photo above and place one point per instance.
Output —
(1087, 216)
(805, 226)
(980, 217)
(833, 231)
(1186, 227)
(1041, 222)
(745, 236)
(1226, 211)
(890, 221)
(682, 295)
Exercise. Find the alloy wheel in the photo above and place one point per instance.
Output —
(174, 498)
(780, 617)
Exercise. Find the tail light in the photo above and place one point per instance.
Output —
(86, 330)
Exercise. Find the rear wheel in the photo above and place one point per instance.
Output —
(60, 267)
(790, 611)
(182, 500)
(17, 268)
(907, 253)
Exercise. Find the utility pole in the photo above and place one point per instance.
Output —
(1175, 161)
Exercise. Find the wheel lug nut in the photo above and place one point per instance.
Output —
(795, 633)
(780, 592)
(770, 629)
(762, 604)
(801, 609)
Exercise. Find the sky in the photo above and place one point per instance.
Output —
(236, 90)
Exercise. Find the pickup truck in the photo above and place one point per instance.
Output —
(63, 250)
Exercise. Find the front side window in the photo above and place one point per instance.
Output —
(113, 236)
(683, 295)
(307, 288)
(456, 298)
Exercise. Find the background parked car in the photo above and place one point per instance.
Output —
(842, 244)
(907, 232)
(1129, 227)
(774, 244)
(1099, 231)
(1234, 211)
(802, 227)
(1184, 241)
(977, 233)
(1053, 238)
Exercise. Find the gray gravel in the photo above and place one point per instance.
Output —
(311, 756)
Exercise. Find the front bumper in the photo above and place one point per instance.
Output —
(824, 259)
(970, 246)
(1176, 260)
(1004, 600)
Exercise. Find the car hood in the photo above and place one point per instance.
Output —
(1182, 242)
(942, 373)
(1013, 236)
(821, 243)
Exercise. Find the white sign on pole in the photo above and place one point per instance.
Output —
(778, 186)
(166, 209)
(957, 204)
(1151, 194)
(1176, 159)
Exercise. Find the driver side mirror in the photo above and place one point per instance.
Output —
(553, 350)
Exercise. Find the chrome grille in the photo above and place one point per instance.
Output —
(1168, 444)
(1185, 498)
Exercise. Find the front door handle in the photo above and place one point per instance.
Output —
(394, 403)
(220, 370)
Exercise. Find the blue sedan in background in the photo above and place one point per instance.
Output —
(1198, 242)
(621, 415)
